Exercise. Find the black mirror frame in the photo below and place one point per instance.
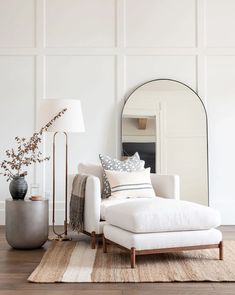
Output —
(206, 116)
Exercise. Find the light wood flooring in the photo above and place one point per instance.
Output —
(16, 265)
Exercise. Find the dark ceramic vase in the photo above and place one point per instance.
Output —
(18, 188)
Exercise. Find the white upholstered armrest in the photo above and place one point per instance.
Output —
(166, 186)
(92, 204)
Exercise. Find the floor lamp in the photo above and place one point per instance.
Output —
(70, 122)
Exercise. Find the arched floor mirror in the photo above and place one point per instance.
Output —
(165, 121)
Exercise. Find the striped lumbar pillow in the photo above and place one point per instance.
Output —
(130, 184)
(132, 163)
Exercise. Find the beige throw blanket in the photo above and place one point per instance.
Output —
(77, 202)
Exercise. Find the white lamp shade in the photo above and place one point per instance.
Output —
(71, 121)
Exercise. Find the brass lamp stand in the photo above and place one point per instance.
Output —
(71, 122)
(64, 235)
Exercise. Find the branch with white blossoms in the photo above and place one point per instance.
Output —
(26, 153)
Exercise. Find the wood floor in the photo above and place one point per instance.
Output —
(16, 265)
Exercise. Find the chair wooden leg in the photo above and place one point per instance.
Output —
(104, 245)
(221, 251)
(132, 257)
(93, 240)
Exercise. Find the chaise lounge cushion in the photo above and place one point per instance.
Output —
(107, 203)
(147, 241)
(162, 215)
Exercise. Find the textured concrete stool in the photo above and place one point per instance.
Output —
(26, 223)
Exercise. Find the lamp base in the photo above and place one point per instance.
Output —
(61, 238)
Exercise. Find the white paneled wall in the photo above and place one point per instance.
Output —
(100, 50)
(80, 23)
(17, 23)
(167, 23)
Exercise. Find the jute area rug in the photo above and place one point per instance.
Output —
(77, 262)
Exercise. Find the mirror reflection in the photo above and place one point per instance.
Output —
(166, 123)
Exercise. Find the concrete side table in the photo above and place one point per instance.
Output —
(26, 223)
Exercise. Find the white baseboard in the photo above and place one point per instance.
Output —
(226, 210)
(2, 212)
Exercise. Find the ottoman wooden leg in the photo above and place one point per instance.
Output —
(132, 257)
(93, 240)
(104, 245)
(221, 251)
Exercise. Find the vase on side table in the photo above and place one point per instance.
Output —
(18, 188)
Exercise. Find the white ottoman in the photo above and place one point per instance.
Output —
(156, 225)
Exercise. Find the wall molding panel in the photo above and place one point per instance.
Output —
(102, 54)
